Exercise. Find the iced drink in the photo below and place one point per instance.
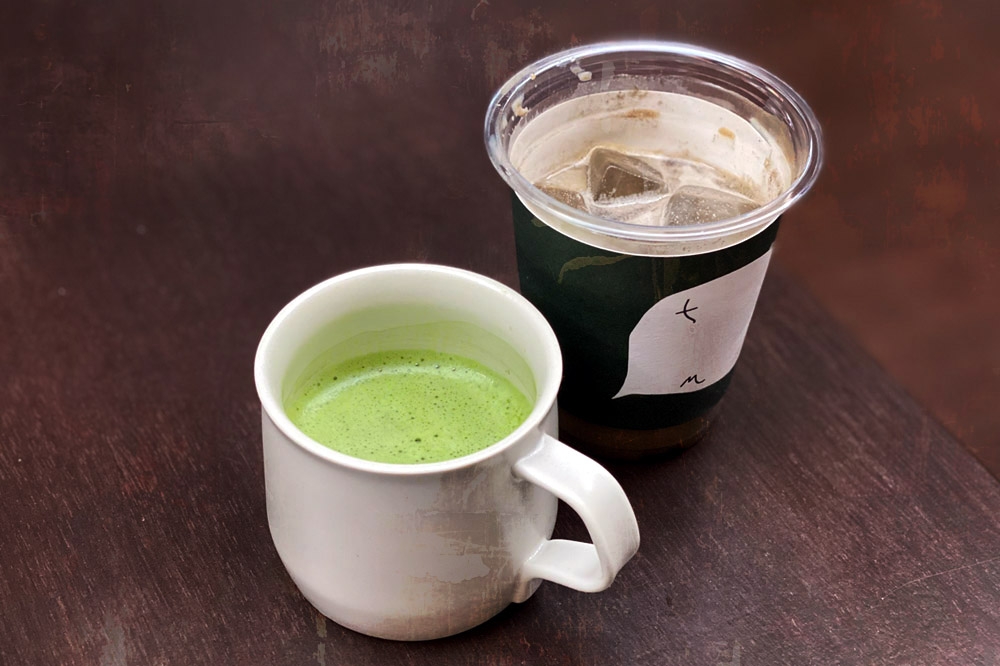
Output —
(648, 179)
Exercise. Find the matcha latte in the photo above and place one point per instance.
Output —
(409, 406)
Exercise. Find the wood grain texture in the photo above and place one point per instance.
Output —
(172, 173)
(897, 236)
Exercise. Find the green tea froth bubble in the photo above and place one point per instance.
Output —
(409, 406)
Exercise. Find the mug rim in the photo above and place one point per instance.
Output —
(544, 402)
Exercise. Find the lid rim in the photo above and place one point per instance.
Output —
(791, 102)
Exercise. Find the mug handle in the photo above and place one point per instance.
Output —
(597, 497)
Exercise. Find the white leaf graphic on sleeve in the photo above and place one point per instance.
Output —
(691, 339)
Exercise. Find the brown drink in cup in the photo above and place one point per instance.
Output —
(648, 180)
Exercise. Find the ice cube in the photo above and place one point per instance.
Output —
(696, 205)
(614, 175)
(567, 186)
(569, 197)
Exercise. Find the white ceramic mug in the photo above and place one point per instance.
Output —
(428, 550)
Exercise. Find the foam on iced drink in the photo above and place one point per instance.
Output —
(651, 158)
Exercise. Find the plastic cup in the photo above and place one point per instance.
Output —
(651, 318)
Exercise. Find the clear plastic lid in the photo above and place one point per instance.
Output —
(765, 102)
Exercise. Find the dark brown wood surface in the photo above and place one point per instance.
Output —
(172, 173)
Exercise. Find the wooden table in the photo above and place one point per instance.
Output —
(172, 174)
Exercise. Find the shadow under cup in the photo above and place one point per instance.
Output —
(650, 316)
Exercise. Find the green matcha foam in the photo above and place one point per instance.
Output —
(407, 406)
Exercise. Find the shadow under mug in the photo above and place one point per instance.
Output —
(421, 551)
